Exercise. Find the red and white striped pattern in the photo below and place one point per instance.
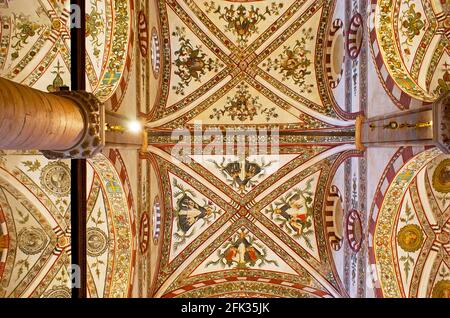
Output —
(331, 217)
(354, 231)
(65, 237)
(354, 44)
(156, 53)
(441, 17)
(442, 238)
(4, 237)
(211, 282)
(398, 160)
(156, 220)
(337, 26)
(63, 31)
(143, 34)
(144, 233)
(401, 99)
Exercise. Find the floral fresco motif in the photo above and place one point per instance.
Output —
(191, 62)
(244, 174)
(95, 27)
(243, 21)
(243, 250)
(25, 29)
(243, 106)
(412, 24)
(444, 82)
(188, 212)
(294, 212)
(294, 63)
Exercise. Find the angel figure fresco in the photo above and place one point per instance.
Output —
(242, 174)
(294, 212)
(188, 212)
(242, 251)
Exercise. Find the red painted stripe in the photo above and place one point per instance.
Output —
(407, 154)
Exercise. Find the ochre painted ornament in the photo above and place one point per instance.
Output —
(32, 240)
(55, 178)
(410, 238)
(97, 242)
(442, 289)
(441, 177)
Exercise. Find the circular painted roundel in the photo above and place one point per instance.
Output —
(355, 36)
(97, 242)
(156, 53)
(32, 240)
(55, 178)
(156, 220)
(354, 230)
(441, 177)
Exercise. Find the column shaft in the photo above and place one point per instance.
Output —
(31, 119)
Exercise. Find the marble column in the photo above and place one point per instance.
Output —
(62, 125)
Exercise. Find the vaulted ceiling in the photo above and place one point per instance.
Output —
(248, 225)
(410, 46)
(263, 63)
(242, 225)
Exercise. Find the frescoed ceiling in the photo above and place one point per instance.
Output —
(411, 234)
(35, 208)
(35, 45)
(35, 228)
(247, 225)
(410, 47)
(110, 233)
(258, 229)
(253, 63)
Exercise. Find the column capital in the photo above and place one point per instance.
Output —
(441, 122)
(92, 140)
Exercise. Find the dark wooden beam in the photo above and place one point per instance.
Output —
(78, 171)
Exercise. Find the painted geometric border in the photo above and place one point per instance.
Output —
(353, 47)
(333, 198)
(4, 236)
(274, 282)
(114, 102)
(398, 160)
(334, 82)
(143, 34)
(354, 222)
(401, 99)
(119, 165)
